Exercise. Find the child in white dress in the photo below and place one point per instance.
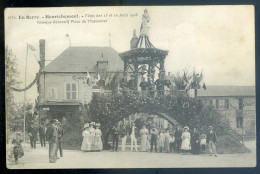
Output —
(203, 143)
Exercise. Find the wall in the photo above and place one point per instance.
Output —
(57, 81)
(248, 113)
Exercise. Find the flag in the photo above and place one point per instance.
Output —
(204, 86)
(31, 47)
(200, 77)
(185, 79)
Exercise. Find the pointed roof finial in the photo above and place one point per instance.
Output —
(109, 35)
(67, 36)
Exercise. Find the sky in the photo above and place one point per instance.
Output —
(216, 39)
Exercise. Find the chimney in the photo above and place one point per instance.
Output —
(42, 53)
(134, 40)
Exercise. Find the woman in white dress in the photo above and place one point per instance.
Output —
(167, 141)
(185, 144)
(85, 146)
(98, 141)
(161, 140)
(144, 134)
(92, 136)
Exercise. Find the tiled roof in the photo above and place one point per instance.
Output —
(221, 91)
(84, 59)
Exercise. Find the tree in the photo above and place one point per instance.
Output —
(181, 80)
(187, 81)
(11, 80)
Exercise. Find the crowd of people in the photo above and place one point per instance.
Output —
(178, 141)
(91, 137)
(52, 132)
(181, 140)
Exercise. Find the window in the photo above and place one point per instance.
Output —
(227, 104)
(217, 104)
(71, 89)
(210, 102)
(239, 122)
(240, 104)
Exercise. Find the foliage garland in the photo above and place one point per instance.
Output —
(110, 109)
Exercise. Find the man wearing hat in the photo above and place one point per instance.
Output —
(115, 136)
(123, 82)
(133, 137)
(177, 143)
(42, 133)
(131, 83)
(211, 141)
(143, 85)
(52, 138)
(159, 85)
(60, 137)
(32, 134)
(154, 134)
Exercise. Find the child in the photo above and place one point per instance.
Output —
(203, 143)
(167, 141)
(161, 140)
(171, 141)
(18, 150)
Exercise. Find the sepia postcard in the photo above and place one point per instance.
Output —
(130, 87)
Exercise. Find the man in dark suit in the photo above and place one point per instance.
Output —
(52, 138)
(211, 141)
(177, 143)
(32, 134)
(60, 135)
(144, 85)
(159, 85)
(123, 82)
(154, 134)
(42, 133)
(115, 136)
(131, 83)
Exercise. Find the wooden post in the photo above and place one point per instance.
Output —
(152, 70)
(162, 64)
(125, 66)
(136, 75)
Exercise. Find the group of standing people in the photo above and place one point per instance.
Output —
(32, 131)
(123, 132)
(180, 141)
(91, 137)
(54, 134)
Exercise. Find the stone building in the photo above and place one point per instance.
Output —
(71, 78)
(237, 103)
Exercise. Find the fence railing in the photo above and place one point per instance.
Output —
(152, 93)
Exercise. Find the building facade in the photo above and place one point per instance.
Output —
(237, 103)
(71, 79)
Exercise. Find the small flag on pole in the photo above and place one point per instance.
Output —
(204, 86)
(31, 47)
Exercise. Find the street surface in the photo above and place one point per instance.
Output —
(38, 159)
